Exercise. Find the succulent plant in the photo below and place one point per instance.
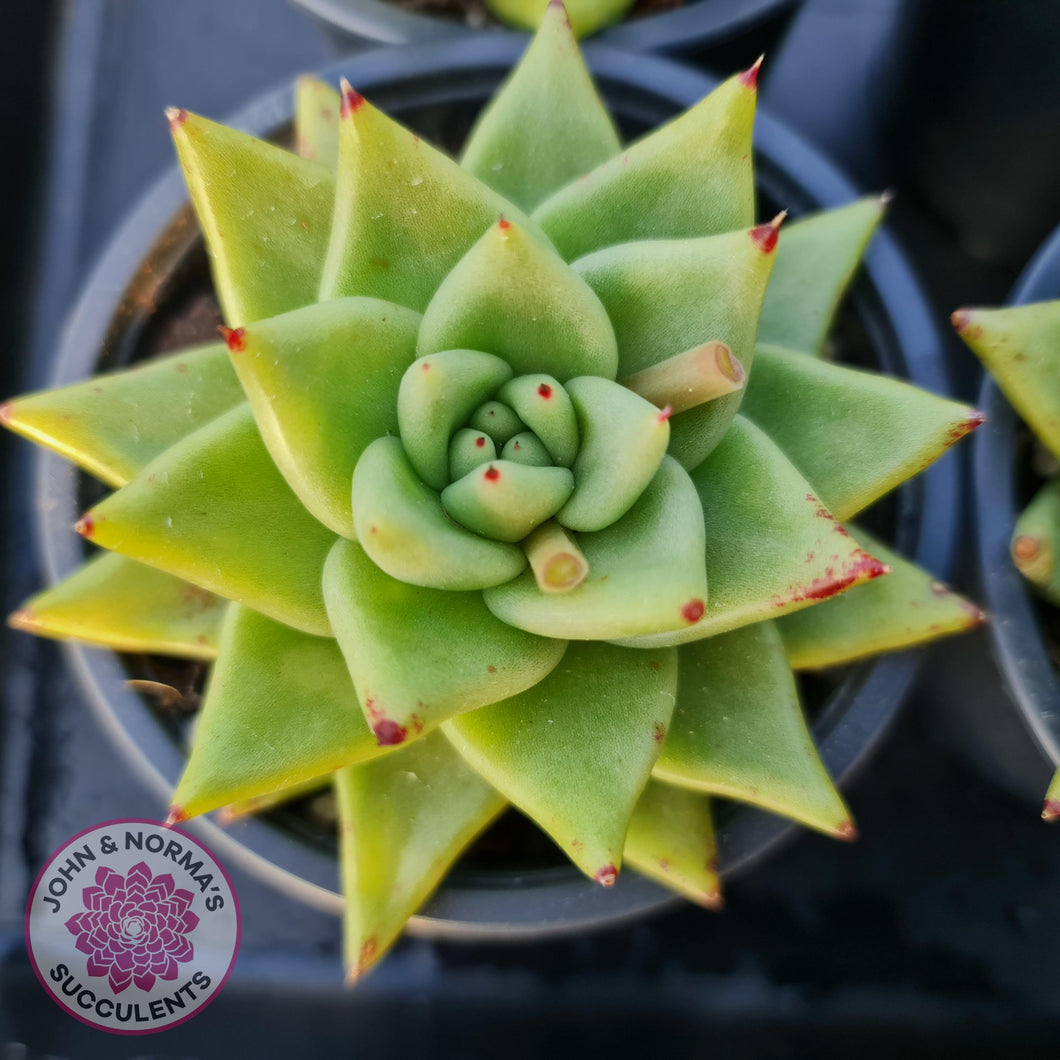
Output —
(586, 16)
(1018, 346)
(479, 502)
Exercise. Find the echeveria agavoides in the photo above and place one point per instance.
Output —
(486, 492)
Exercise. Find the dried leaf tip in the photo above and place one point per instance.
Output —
(176, 117)
(6, 413)
(665, 413)
(85, 526)
(962, 322)
(352, 100)
(606, 876)
(887, 198)
(176, 815)
(1051, 810)
(766, 235)
(749, 77)
(21, 619)
(847, 831)
(388, 733)
(235, 338)
(713, 901)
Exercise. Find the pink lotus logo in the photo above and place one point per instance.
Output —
(135, 927)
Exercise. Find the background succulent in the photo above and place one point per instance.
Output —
(586, 16)
(479, 500)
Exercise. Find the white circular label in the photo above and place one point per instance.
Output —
(132, 927)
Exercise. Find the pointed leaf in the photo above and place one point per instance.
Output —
(671, 840)
(690, 177)
(404, 212)
(265, 214)
(586, 16)
(854, 435)
(1018, 345)
(646, 572)
(117, 603)
(771, 546)
(575, 751)
(905, 609)
(280, 709)
(419, 656)
(513, 296)
(404, 820)
(403, 527)
(323, 385)
(666, 296)
(738, 731)
(316, 120)
(817, 259)
(516, 146)
(1036, 541)
(214, 510)
(114, 424)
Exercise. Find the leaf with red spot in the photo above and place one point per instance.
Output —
(738, 731)
(118, 603)
(854, 435)
(316, 120)
(214, 510)
(517, 146)
(403, 820)
(771, 546)
(575, 751)
(671, 840)
(907, 608)
(265, 214)
(419, 656)
(280, 709)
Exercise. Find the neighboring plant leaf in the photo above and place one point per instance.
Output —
(404, 820)
(214, 510)
(323, 385)
(575, 751)
(817, 259)
(671, 840)
(1051, 809)
(907, 608)
(646, 572)
(655, 293)
(690, 177)
(114, 424)
(117, 603)
(265, 214)
(771, 546)
(1036, 541)
(280, 710)
(316, 120)
(1018, 346)
(738, 731)
(517, 146)
(418, 656)
(403, 527)
(405, 213)
(854, 435)
(586, 16)
(517, 299)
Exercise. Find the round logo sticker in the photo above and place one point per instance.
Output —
(132, 927)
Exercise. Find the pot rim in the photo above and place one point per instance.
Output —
(858, 712)
(1016, 636)
(694, 24)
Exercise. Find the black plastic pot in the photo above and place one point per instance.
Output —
(1019, 747)
(697, 24)
(438, 89)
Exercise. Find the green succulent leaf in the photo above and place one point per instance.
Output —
(265, 214)
(404, 820)
(280, 710)
(854, 435)
(907, 608)
(323, 384)
(436, 397)
(1036, 541)
(690, 177)
(469, 449)
(117, 603)
(666, 296)
(1051, 810)
(419, 656)
(586, 16)
(671, 840)
(257, 804)
(515, 297)
(1018, 347)
(526, 448)
(214, 510)
(738, 731)
(115, 424)
(817, 259)
(405, 213)
(575, 751)
(403, 527)
(316, 120)
(771, 546)
(646, 572)
(546, 408)
(517, 146)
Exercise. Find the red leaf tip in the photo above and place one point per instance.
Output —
(749, 78)
(352, 100)
(962, 322)
(85, 526)
(235, 338)
(388, 733)
(176, 815)
(176, 117)
(504, 224)
(693, 610)
(492, 474)
(606, 876)
(766, 235)
(5, 413)
(1051, 810)
(545, 390)
(665, 413)
(847, 832)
